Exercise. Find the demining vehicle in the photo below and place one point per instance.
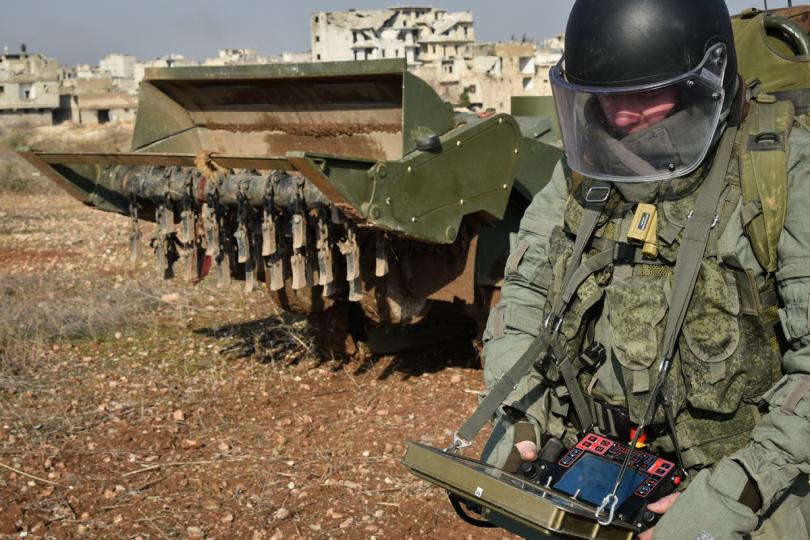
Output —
(357, 195)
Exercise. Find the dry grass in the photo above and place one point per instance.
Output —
(37, 311)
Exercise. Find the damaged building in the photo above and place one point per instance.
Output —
(94, 100)
(439, 46)
(29, 89)
(418, 34)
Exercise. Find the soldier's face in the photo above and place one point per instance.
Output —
(631, 113)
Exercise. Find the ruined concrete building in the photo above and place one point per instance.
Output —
(418, 34)
(168, 60)
(29, 89)
(94, 100)
(440, 47)
(121, 68)
(236, 57)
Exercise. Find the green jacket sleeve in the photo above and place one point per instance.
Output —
(778, 453)
(517, 317)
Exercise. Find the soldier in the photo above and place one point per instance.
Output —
(657, 135)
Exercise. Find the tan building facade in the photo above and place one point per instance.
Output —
(29, 89)
(440, 47)
(491, 74)
(95, 100)
(417, 34)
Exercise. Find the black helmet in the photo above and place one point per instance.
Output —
(634, 42)
(677, 55)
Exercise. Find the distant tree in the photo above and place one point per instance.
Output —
(23, 48)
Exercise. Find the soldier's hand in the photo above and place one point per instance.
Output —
(659, 507)
(527, 450)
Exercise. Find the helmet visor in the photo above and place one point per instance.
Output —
(641, 133)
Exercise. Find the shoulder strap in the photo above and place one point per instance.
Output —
(763, 175)
(595, 200)
(702, 220)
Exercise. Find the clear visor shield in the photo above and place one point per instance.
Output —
(642, 133)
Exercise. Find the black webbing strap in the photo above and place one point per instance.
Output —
(541, 344)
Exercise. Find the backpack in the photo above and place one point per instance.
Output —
(773, 53)
(774, 60)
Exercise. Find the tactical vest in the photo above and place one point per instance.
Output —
(728, 353)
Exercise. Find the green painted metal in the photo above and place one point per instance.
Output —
(537, 162)
(158, 117)
(179, 107)
(425, 195)
(350, 69)
(539, 107)
(422, 108)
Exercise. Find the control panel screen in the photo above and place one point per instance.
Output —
(594, 478)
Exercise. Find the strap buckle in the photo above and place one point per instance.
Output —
(715, 219)
(597, 194)
(623, 253)
(458, 444)
(556, 319)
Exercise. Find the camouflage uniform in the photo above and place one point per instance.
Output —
(737, 407)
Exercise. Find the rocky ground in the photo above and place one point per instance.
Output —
(133, 408)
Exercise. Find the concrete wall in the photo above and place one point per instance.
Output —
(400, 32)
(28, 82)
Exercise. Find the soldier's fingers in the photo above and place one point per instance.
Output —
(646, 535)
(662, 505)
(527, 450)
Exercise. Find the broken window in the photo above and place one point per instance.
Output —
(316, 18)
(2, 89)
(27, 92)
(317, 39)
(317, 57)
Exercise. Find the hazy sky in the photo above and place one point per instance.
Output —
(83, 31)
